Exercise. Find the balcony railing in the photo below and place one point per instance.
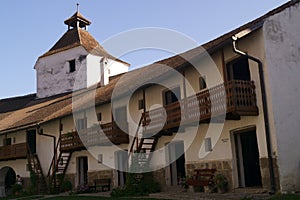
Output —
(12, 152)
(109, 133)
(235, 97)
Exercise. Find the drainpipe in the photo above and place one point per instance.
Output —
(41, 132)
(265, 108)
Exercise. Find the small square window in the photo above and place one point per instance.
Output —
(6, 141)
(72, 66)
(202, 82)
(27, 167)
(81, 124)
(100, 158)
(99, 117)
(141, 104)
(207, 143)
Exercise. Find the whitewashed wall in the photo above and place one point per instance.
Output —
(53, 76)
(282, 43)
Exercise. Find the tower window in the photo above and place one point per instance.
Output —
(202, 82)
(72, 67)
(99, 116)
(141, 104)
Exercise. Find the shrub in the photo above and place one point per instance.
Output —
(17, 189)
(221, 183)
(66, 186)
(137, 186)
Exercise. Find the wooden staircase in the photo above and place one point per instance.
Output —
(142, 148)
(36, 170)
(58, 168)
(145, 148)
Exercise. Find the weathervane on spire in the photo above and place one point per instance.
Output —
(77, 4)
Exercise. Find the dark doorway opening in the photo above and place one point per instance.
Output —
(82, 170)
(171, 96)
(7, 180)
(177, 168)
(122, 166)
(31, 140)
(248, 159)
(238, 69)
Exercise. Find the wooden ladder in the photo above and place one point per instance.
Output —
(143, 146)
(58, 169)
(35, 168)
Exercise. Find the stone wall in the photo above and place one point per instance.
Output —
(265, 173)
(101, 175)
(223, 166)
(91, 176)
(159, 176)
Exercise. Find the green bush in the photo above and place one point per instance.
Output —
(66, 186)
(221, 183)
(17, 189)
(137, 186)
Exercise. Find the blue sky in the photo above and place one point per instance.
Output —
(30, 28)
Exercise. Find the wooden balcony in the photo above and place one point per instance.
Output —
(12, 152)
(233, 99)
(109, 133)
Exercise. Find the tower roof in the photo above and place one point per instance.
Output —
(79, 37)
(77, 20)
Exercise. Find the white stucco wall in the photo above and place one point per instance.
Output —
(93, 69)
(282, 43)
(44, 144)
(53, 76)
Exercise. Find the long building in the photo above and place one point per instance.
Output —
(231, 105)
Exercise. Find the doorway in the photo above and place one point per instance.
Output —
(176, 169)
(247, 157)
(121, 166)
(31, 140)
(7, 180)
(171, 96)
(238, 69)
(82, 170)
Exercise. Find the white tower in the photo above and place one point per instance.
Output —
(76, 55)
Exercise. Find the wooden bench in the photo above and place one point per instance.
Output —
(202, 177)
(101, 185)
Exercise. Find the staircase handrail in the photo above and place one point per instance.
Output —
(52, 167)
(135, 136)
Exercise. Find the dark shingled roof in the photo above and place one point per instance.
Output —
(22, 111)
(77, 17)
(78, 37)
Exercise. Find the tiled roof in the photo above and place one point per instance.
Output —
(32, 111)
(78, 37)
(77, 17)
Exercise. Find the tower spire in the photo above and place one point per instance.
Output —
(77, 20)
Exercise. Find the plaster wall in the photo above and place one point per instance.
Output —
(282, 41)
(54, 76)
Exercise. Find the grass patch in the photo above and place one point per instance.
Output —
(286, 197)
(22, 197)
(91, 198)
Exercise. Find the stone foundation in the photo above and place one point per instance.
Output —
(91, 177)
(71, 178)
(265, 173)
(223, 167)
(159, 176)
(101, 175)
